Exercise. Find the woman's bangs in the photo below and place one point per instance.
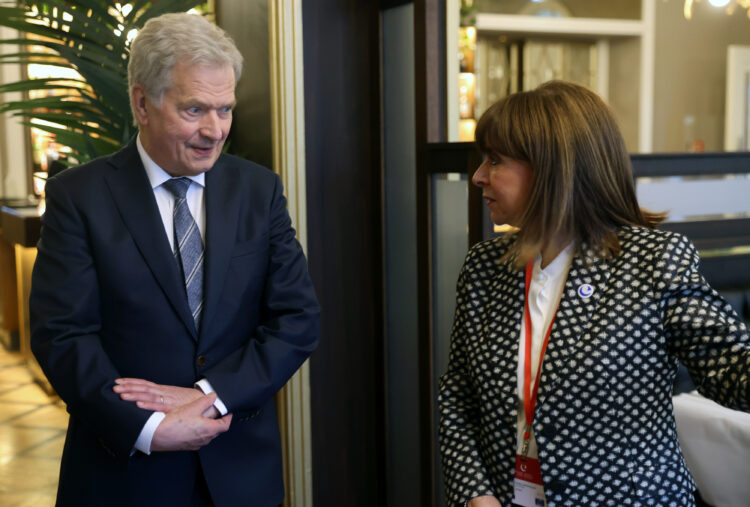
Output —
(495, 133)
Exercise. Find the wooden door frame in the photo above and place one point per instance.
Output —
(288, 138)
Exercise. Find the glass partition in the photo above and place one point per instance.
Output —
(450, 242)
(705, 195)
(697, 198)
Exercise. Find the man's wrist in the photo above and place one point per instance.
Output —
(143, 442)
(205, 386)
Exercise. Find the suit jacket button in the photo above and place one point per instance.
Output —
(201, 361)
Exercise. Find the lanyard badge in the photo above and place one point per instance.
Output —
(530, 391)
(529, 490)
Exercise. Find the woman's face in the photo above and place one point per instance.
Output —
(505, 184)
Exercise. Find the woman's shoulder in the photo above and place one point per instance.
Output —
(490, 251)
(645, 237)
(652, 244)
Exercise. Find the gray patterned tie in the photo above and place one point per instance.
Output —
(188, 248)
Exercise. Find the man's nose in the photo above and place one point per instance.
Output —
(211, 126)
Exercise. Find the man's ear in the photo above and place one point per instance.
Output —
(138, 99)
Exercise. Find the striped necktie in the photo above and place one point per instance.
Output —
(188, 246)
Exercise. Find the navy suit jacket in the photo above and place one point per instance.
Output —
(108, 301)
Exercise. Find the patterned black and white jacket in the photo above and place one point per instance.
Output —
(604, 423)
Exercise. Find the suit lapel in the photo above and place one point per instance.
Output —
(222, 210)
(577, 305)
(133, 196)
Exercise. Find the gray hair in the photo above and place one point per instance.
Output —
(166, 40)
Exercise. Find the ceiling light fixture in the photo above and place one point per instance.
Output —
(730, 5)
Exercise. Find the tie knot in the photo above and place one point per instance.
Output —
(177, 186)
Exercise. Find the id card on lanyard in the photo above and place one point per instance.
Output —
(527, 483)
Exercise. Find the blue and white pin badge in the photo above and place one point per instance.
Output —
(585, 291)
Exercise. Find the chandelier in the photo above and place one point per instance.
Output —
(731, 5)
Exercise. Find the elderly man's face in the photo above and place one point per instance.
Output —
(184, 134)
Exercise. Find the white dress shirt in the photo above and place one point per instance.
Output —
(165, 201)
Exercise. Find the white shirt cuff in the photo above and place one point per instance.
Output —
(205, 386)
(143, 443)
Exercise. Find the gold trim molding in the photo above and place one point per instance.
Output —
(288, 138)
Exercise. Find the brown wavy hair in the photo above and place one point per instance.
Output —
(582, 185)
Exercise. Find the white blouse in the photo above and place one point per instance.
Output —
(545, 292)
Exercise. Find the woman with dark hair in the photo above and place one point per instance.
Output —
(568, 332)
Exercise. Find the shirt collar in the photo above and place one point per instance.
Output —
(558, 265)
(157, 175)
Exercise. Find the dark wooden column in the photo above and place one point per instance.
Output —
(429, 67)
(247, 22)
(345, 251)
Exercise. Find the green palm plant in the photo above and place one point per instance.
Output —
(89, 114)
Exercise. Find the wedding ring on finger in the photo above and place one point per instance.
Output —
(162, 399)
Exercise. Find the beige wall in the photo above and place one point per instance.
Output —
(624, 92)
(690, 73)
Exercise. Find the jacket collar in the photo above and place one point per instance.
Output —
(586, 282)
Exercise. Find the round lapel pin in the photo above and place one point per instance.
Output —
(585, 291)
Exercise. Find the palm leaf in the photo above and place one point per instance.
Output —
(84, 146)
(72, 103)
(70, 95)
(26, 25)
(68, 54)
(68, 125)
(26, 58)
(111, 87)
(49, 83)
(75, 117)
(111, 103)
(100, 8)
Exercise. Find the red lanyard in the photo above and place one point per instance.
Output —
(529, 396)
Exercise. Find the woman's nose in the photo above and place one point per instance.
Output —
(480, 176)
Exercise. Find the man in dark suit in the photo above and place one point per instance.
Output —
(170, 299)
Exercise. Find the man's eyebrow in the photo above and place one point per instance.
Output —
(204, 105)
